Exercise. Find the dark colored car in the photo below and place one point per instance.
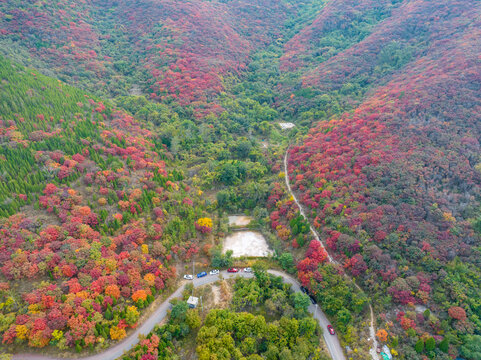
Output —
(232, 270)
(304, 290)
(313, 300)
(331, 330)
(201, 274)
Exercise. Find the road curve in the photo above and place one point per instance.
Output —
(160, 313)
(372, 330)
(332, 341)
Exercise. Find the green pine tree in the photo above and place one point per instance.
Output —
(419, 347)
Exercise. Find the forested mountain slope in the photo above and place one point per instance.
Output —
(385, 155)
(394, 184)
(168, 50)
(90, 191)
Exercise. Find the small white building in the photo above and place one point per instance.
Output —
(193, 302)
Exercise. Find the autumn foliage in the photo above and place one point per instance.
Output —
(92, 253)
(384, 183)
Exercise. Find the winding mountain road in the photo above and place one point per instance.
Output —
(160, 313)
(372, 330)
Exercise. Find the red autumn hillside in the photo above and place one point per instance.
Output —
(88, 231)
(335, 17)
(412, 28)
(195, 44)
(401, 173)
(167, 49)
(155, 120)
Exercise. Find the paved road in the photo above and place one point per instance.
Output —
(331, 341)
(372, 330)
(118, 349)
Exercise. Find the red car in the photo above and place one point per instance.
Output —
(234, 270)
(331, 330)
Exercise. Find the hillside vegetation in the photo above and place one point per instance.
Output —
(394, 184)
(94, 209)
(280, 328)
(154, 119)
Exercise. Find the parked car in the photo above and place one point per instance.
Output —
(304, 290)
(331, 330)
(201, 274)
(248, 270)
(232, 270)
(313, 300)
(189, 277)
(214, 272)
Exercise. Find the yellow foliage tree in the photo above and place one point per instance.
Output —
(34, 308)
(57, 335)
(22, 332)
(132, 315)
(447, 216)
(207, 222)
(117, 333)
